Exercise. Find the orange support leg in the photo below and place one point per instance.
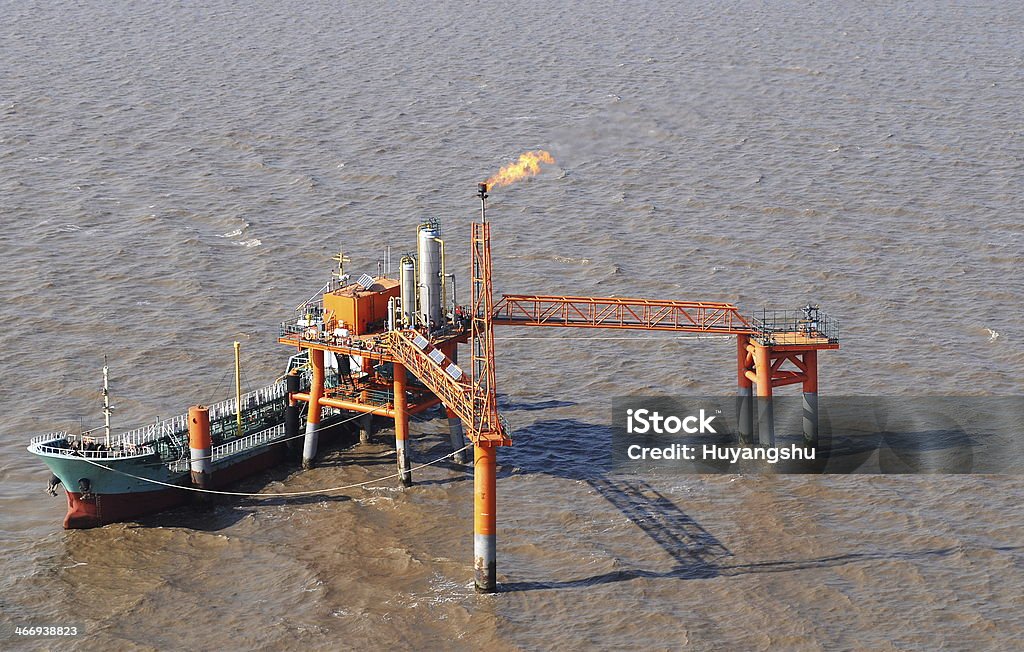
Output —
(200, 446)
(765, 411)
(402, 425)
(485, 518)
(811, 398)
(745, 392)
(316, 392)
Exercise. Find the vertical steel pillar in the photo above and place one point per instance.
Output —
(744, 393)
(455, 434)
(810, 402)
(765, 412)
(401, 425)
(200, 446)
(366, 428)
(316, 392)
(485, 518)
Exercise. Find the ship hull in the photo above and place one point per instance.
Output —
(114, 496)
(89, 511)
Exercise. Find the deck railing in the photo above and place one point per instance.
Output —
(229, 407)
(780, 327)
(176, 425)
(45, 448)
(245, 443)
(234, 447)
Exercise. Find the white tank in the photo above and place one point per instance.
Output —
(408, 283)
(430, 276)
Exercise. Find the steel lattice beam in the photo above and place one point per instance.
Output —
(614, 312)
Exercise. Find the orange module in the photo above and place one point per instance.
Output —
(358, 308)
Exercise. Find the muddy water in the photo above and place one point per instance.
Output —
(173, 178)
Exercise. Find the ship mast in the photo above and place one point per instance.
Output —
(238, 389)
(106, 401)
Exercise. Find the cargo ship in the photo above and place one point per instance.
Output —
(117, 476)
(111, 476)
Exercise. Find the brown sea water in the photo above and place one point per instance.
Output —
(176, 176)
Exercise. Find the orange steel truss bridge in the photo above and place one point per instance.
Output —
(779, 348)
(612, 312)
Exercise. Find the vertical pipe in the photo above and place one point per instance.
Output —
(745, 393)
(407, 276)
(444, 303)
(238, 389)
(200, 446)
(316, 392)
(765, 413)
(291, 431)
(811, 397)
(401, 425)
(484, 518)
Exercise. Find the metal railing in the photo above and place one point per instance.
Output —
(229, 407)
(808, 325)
(234, 447)
(176, 425)
(378, 397)
(246, 443)
(50, 436)
(118, 452)
(291, 328)
(150, 433)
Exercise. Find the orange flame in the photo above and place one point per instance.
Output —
(528, 165)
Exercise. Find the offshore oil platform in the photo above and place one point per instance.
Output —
(383, 347)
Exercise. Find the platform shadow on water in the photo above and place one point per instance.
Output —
(580, 451)
(508, 404)
(772, 566)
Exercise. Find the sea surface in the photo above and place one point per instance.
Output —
(176, 176)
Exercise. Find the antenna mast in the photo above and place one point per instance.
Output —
(106, 401)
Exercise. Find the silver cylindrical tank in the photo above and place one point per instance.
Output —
(430, 276)
(408, 283)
